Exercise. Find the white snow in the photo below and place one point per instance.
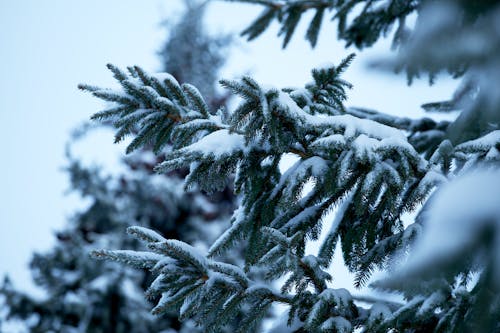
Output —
(365, 146)
(409, 305)
(340, 296)
(334, 139)
(485, 142)
(137, 256)
(218, 143)
(268, 161)
(145, 233)
(194, 253)
(340, 324)
(161, 76)
(433, 177)
(351, 125)
(430, 302)
(458, 213)
(354, 125)
(315, 166)
(379, 311)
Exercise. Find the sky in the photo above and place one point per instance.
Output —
(48, 47)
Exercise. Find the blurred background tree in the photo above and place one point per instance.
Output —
(77, 297)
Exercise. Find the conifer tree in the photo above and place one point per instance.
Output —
(78, 296)
(374, 167)
(189, 46)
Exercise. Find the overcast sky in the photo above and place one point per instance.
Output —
(48, 47)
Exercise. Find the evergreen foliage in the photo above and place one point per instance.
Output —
(371, 20)
(372, 166)
(367, 167)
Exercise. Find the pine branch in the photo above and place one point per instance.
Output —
(288, 13)
(358, 155)
(211, 292)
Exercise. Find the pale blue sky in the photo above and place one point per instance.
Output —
(48, 47)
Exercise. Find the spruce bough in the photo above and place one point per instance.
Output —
(372, 166)
(368, 168)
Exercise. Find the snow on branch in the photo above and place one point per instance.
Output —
(364, 161)
(206, 290)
